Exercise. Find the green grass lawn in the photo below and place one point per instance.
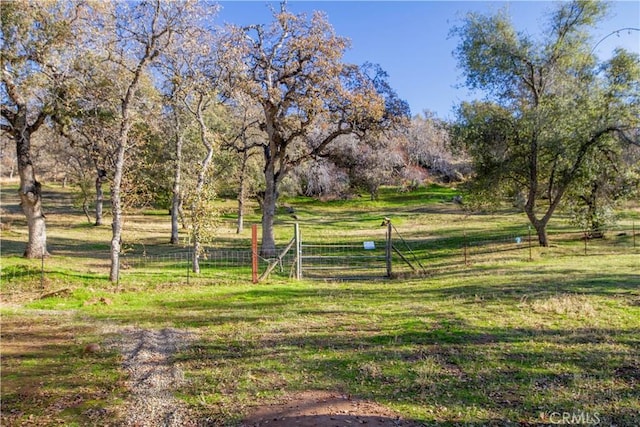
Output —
(497, 342)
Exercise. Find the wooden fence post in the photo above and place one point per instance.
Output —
(298, 259)
(42, 271)
(254, 253)
(388, 251)
(530, 255)
(465, 249)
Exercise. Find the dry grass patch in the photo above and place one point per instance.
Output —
(573, 305)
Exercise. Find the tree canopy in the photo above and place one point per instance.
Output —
(307, 96)
(551, 107)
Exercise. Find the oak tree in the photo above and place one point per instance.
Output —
(37, 56)
(295, 74)
(131, 36)
(550, 108)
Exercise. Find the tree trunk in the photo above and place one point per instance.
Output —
(99, 200)
(594, 223)
(198, 197)
(240, 225)
(85, 208)
(175, 214)
(116, 208)
(197, 247)
(31, 202)
(150, 50)
(541, 230)
(242, 192)
(540, 225)
(31, 198)
(269, 212)
(177, 178)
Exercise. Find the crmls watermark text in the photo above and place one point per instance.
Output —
(571, 418)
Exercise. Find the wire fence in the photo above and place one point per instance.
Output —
(210, 258)
(339, 260)
(353, 261)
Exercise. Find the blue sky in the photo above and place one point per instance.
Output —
(410, 39)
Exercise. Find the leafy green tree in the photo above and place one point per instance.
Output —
(612, 175)
(176, 119)
(88, 118)
(131, 36)
(607, 180)
(37, 54)
(551, 109)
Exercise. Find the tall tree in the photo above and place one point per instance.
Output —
(294, 72)
(192, 81)
(244, 143)
(176, 189)
(36, 61)
(198, 72)
(132, 36)
(549, 111)
(88, 120)
(611, 175)
(173, 66)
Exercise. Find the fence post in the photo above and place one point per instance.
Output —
(530, 256)
(464, 248)
(189, 266)
(298, 259)
(42, 271)
(586, 237)
(389, 249)
(633, 225)
(254, 253)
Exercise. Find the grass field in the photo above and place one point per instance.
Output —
(498, 342)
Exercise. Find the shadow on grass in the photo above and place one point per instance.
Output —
(60, 247)
(464, 287)
(533, 283)
(511, 372)
(47, 378)
(374, 342)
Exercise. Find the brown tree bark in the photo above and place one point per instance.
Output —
(177, 178)
(268, 248)
(30, 189)
(31, 198)
(99, 197)
(242, 193)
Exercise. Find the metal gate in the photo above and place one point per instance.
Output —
(370, 259)
(344, 261)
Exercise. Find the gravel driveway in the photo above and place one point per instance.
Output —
(148, 358)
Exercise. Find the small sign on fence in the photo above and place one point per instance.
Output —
(369, 246)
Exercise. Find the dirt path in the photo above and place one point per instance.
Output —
(153, 376)
(321, 408)
(148, 358)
